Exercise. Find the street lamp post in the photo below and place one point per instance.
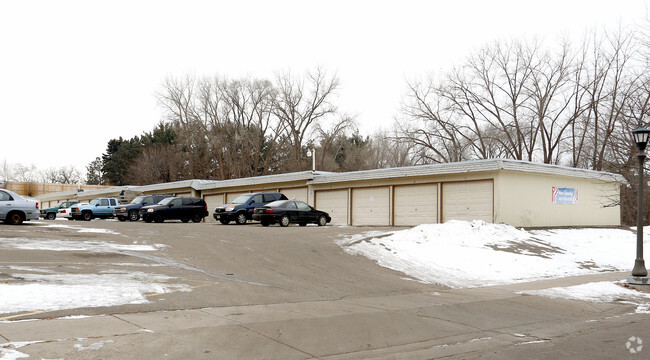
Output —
(639, 273)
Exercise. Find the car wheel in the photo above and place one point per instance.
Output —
(87, 216)
(14, 218)
(303, 224)
(241, 219)
(185, 220)
(284, 220)
(158, 219)
(134, 215)
(51, 216)
(322, 220)
(121, 218)
(264, 223)
(197, 218)
(224, 221)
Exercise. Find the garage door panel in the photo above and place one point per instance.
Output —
(335, 203)
(416, 204)
(468, 201)
(371, 206)
(301, 193)
(213, 201)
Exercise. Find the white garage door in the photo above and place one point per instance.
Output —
(371, 206)
(335, 203)
(300, 193)
(213, 201)
(472, 200)
(416, 204)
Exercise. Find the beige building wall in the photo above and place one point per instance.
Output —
(525, 199)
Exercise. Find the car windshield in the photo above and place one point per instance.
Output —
(137, 200)
(94, 201)
(166, 201)
(241, 199)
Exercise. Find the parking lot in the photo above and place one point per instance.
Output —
(231, 291)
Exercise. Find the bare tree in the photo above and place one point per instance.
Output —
(300, 104)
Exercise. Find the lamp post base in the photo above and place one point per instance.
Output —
(639, 268)
(638, 280)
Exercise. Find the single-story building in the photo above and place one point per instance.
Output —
(517, 193)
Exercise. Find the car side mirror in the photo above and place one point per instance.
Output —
(170, 205)
(251, 203)
(96, 205)
(145, 203)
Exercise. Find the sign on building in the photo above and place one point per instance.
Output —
(565, 195)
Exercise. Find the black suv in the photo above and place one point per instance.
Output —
(241, 209)
(180, 208)
(131, 211)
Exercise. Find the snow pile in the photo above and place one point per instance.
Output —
(463, 254)
(69, 291)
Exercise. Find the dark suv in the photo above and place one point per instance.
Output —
(176, 208)
(131, 211)
(241, 209)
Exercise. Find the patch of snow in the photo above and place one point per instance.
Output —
(8, 350)
(68, 291)
(94, 346)
(604, 291)
(69, 245)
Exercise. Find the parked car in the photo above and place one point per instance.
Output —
(285, 212)
(50, 213)
(131, 211)
(241, 209)
(98, 208)
(14, 209)
(176, 208)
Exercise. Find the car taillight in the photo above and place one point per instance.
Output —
(62, 211)
(269, 211)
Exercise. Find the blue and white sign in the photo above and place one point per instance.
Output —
(565, 195)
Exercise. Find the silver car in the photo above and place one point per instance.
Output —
(14, 209)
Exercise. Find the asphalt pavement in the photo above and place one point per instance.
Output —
(294, 294)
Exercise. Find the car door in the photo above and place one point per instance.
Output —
(6, 203)
(255, 201)
(100, 207)
(292, 210)
(305, 212)
(175, 210)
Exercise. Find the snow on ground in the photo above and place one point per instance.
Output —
(463, 254)
(78, 228)
(45, 292)
(64, 245)
(603, 291)
(30, 288)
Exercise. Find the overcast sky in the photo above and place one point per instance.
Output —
(75, 74)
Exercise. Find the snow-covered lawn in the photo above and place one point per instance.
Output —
(463, 254)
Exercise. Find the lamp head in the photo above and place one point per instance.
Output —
(641, 136)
